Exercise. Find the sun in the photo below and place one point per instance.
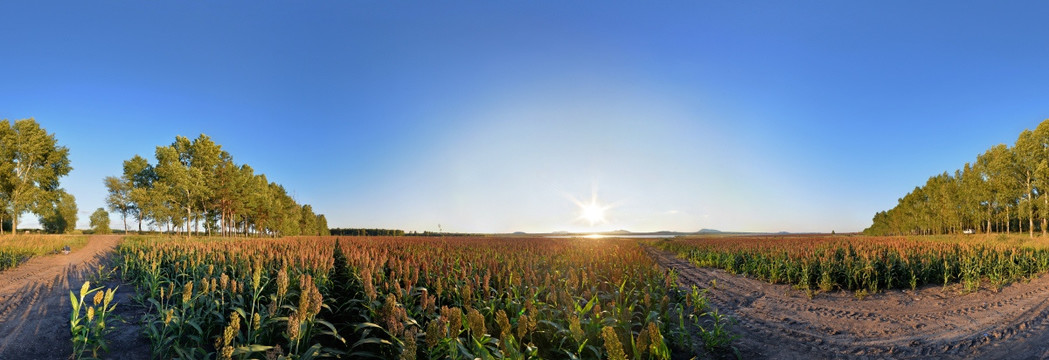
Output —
(592, 212)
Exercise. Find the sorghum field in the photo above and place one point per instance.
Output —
(869, 264)
(415, 298)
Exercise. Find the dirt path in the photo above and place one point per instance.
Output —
(779, 322)
(35, 309)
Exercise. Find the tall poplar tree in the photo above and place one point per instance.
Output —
(119, 197)
(141, 176)
(1026, 152)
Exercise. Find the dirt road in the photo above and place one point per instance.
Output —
(34, 305)
(779, 322)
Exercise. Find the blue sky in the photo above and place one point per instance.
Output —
(491, 116)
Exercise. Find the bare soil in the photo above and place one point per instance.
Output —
(35, 308)
(781, 322)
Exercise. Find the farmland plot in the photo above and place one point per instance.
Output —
(404, 297)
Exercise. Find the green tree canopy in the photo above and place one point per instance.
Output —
(119, 198)
(31, 163)
(1005, 189)
(58, 214)
(195, 182)
(100, 222)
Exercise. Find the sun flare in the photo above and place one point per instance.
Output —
(592, 212)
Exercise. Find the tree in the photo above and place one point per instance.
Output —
(1003, 185)
(141, 176)
(322, 225)
(971, 191)
(308, 221)
(32, 164)
(119, 198)
(184, 182)
(100, 222)
(1041, 177)
(287, 212)
(205, 156)
(4, 218)
(58, 214)
(239, 201)
(1004, 182)
(986, 192)
(225, 185)
(196, 180)
(1026, 151)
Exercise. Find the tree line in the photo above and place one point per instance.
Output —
(393, 232)
(195, 187)
(31, 163)
(1004, 189)
(366, 232)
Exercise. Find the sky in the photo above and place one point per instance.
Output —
(498, 116)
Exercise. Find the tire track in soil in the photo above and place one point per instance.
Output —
(35, 308)
(780, 322)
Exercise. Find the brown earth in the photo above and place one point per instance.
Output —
(35, 308)
(780, 322)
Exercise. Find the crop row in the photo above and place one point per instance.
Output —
(867, 264)
(408, 298)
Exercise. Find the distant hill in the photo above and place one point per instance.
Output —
(708, 231)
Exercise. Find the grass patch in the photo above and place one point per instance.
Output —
(17, 249)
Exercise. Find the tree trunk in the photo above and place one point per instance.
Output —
(124, 217)
(14, 224)
(988, 219)
(1008, 226)
(1030, 207)
(188, 218)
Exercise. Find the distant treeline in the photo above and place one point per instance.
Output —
(390, 232)
(366, 232)
(431, 233)
(1005, 189)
